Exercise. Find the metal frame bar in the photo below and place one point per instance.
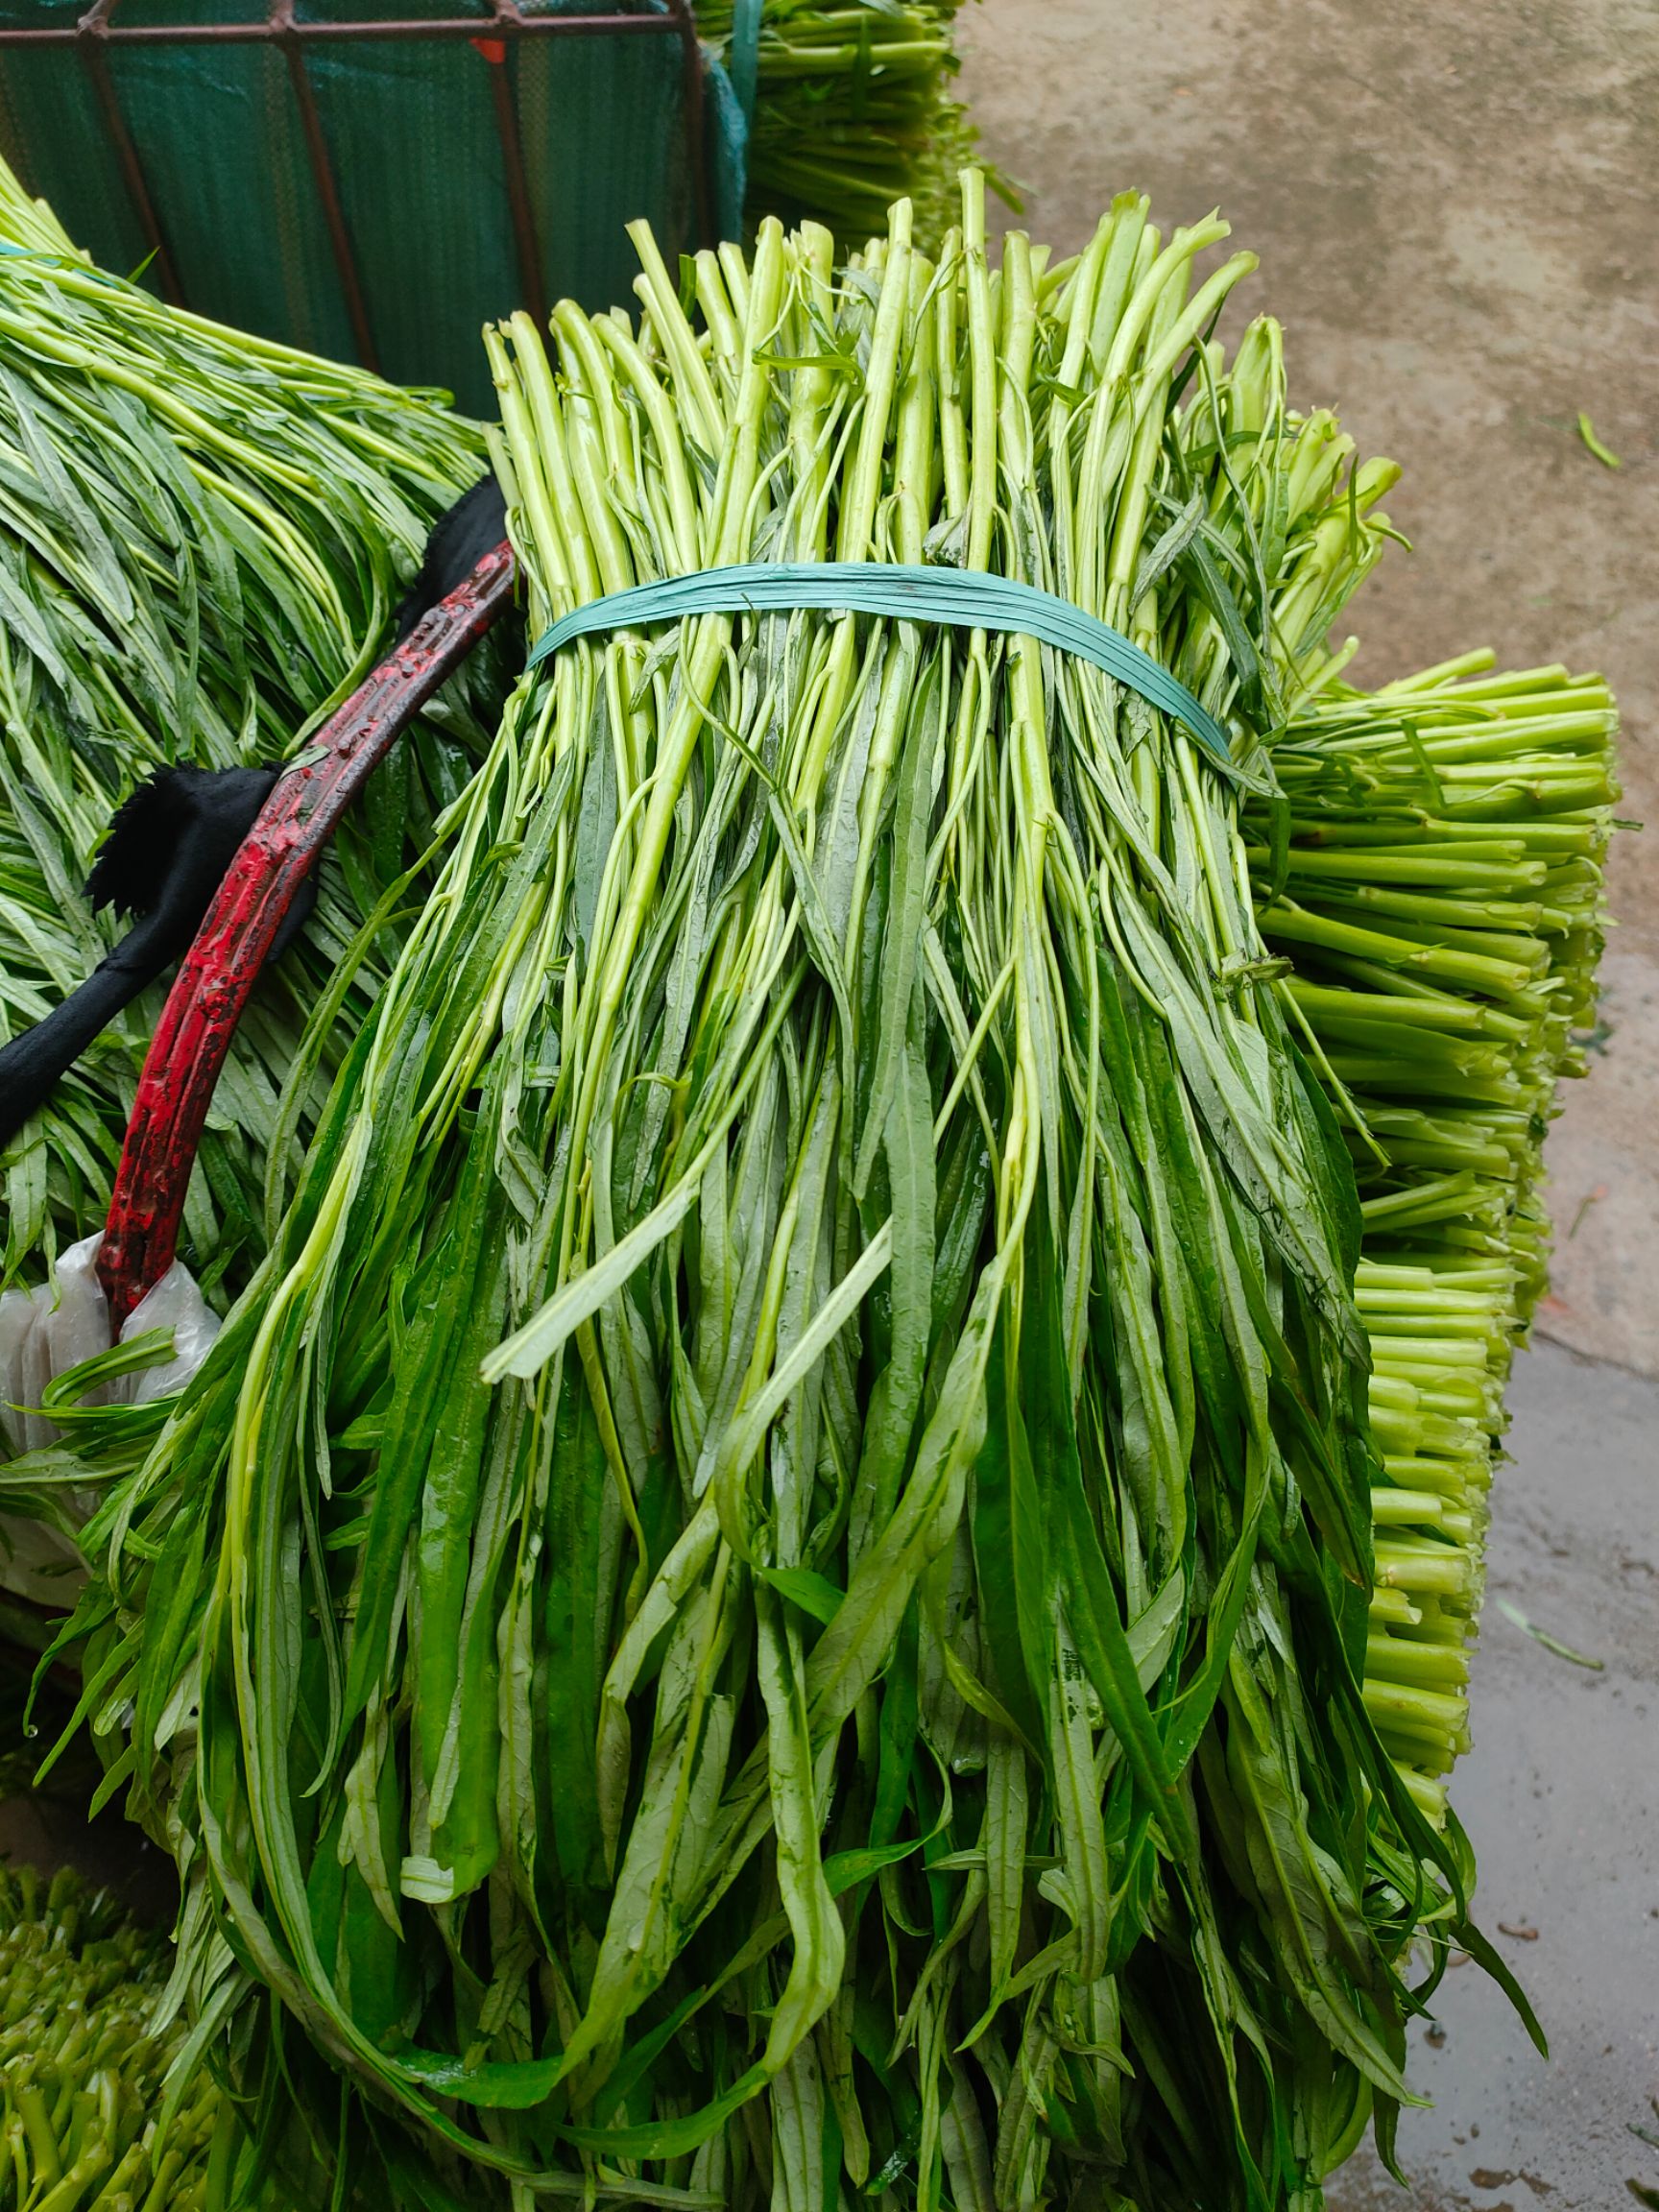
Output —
(506, 22)
(90, 34)
(524, 238)
(680, 11)
(285, 28)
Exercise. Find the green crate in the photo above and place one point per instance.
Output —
(371, 179)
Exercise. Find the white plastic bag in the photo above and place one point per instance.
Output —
(176, 1304)
(42, 1334)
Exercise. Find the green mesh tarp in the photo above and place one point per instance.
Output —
(414, 147)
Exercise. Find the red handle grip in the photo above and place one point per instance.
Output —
(219, 972)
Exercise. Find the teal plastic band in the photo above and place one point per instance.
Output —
(60, 261)
(961, 598)
(743, 55)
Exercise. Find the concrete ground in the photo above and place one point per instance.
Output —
(1453, 208)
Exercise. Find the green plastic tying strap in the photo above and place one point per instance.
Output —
(743, 55)
(962, 599)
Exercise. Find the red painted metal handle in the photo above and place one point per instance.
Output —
(220, 968)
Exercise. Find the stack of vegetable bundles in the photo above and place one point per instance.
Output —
(91, 2105)
(851, 107)
(1433, 868)
(83, 2059)
(765, 1601)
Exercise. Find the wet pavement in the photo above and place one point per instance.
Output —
(1561, 1797)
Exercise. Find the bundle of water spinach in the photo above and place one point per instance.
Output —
(851, 107)
(764, 1602)
(201, 539)
(1433, 868)
(86, 2040)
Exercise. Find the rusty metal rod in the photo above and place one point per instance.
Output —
(131, 167)
(524, 239)
(323, 177)
(692, 61)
